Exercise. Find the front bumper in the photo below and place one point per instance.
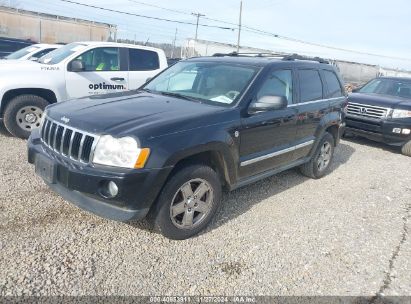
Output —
(379, 130)
(82, 184)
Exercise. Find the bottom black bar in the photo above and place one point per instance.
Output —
(212, 299)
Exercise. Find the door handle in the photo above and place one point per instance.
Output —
(117, 79)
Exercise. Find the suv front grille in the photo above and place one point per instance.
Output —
(367, 110)
(68, 142)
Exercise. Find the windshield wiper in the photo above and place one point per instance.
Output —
(172, 94)
(177, 95)
(146, 90)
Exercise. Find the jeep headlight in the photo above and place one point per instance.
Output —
(401, 113)
(120, 152)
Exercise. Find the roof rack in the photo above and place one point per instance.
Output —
(300, 57)
(282, 56)
(235, 54)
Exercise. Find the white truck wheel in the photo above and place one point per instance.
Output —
(23, 114)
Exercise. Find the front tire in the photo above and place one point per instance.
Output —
(23, 114)
(406, 149)
(187, 203)
(319, 165)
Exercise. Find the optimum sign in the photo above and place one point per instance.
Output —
(104, 86)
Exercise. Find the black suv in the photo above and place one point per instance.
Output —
(167, 150)
(381, 111)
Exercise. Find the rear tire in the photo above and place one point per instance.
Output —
(406, 149)
(319, 165)
(187, 203)
(23, 114)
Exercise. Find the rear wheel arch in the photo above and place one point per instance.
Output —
(329, 123)
(334, 131)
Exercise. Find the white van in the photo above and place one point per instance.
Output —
(74, 70)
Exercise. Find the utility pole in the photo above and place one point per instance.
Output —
(40, 31)
(239, 27)
(198, 15)
(174, 44)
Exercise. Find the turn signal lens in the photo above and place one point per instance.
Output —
(142, 158)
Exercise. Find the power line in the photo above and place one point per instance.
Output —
(144, 16)
(180, 12)
(270, 34)
(256, 31)
(160, 7)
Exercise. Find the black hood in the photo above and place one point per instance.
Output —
(379, 100)
(126, 113)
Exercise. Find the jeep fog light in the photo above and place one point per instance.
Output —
(396, 130)
(109, 189)
(112, 189)
(406, 131)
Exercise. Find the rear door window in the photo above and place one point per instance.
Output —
(333, 85)
(311, 87)
(143, 60)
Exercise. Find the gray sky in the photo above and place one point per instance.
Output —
(380, 27)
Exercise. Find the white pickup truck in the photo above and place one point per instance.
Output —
(72, 71)
(32, 52)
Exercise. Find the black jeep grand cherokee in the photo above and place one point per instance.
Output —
(381, 111)
(167, 150)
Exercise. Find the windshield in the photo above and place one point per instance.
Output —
(23, 52)
(62, 53)
(392, 87)
(211, 82)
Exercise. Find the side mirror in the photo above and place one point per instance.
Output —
(76, 66)
(268, 103)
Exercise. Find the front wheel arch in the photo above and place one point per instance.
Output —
(46, 94)
(217, 155)
(213, 158)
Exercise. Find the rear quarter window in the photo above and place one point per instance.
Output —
(143, 60)
(333, 84)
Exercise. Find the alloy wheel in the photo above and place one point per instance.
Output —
(324, 157)
(191, 204)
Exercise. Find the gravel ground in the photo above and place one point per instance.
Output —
(346, 234)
